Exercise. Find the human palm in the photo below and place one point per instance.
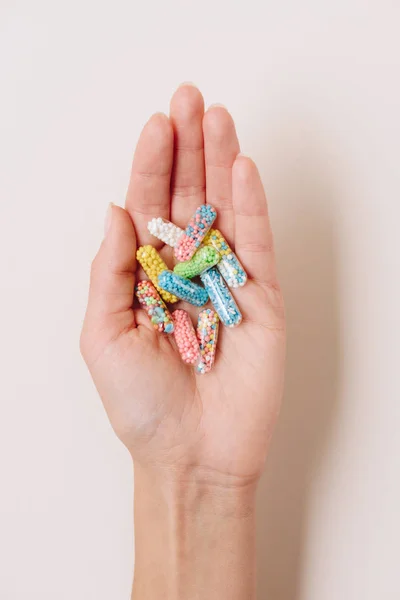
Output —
(219, 424)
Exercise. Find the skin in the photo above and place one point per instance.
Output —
(199, 442)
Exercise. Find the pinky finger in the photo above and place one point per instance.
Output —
(253, 235)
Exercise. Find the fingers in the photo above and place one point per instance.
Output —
(188, 177)
(253, 236)
(112, 277)
(221, 147)
(149, 187)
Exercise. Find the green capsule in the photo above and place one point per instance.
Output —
(205, 258)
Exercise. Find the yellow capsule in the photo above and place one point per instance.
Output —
(153, 265)
(216, 239)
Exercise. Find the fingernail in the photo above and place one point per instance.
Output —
(107, 222)
(217, 105)
(190, 83)
(158, 114)
(243, 155)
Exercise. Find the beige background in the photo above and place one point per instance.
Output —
(314, 88)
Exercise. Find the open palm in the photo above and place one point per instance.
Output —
(219, 424)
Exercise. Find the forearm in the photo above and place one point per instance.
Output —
(193, 540)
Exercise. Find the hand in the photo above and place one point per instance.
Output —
(214, 427)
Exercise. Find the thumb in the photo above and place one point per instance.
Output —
(112, 280)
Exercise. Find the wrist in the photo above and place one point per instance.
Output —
(189, 490)
(194, 537)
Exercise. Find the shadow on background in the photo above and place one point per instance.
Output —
(308, 273)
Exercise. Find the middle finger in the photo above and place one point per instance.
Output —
(188, 173)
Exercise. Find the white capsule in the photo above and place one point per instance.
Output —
(165, 231)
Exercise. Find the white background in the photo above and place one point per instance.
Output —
(314, 88)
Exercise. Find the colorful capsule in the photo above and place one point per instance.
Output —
(153, 265)
(195, 232)
(220, 296)
(185, 337)
(205, 258)
(183, 288)
(229, 265)
(165, 231)
(151, 301)
(207, 334)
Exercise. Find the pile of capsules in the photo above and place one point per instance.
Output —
(200, 251)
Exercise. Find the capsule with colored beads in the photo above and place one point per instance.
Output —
(185, 337)
(182, 288)
(205, 258)
(151, 301)
(207, 335)
(222, 299)
(229, 265)
(165, 231)
(195, 232)
(153, 265)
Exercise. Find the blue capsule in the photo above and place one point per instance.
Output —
(184, 288)
(223, 301)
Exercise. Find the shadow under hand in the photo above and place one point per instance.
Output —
(307, 269)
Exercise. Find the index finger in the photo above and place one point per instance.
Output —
(148, 193)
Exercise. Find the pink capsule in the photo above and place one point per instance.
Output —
(195, 232)
(185, 337)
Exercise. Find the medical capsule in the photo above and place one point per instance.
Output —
(153, 304)
(195, 232)
(207, 335)
(165, 231)
(153, 265)
(182, 288)
(229, 266)
(185, 337)
(222, 299)
(205, 258)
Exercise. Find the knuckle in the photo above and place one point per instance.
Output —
(185, 190)
(275, 298)
(256, 247)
